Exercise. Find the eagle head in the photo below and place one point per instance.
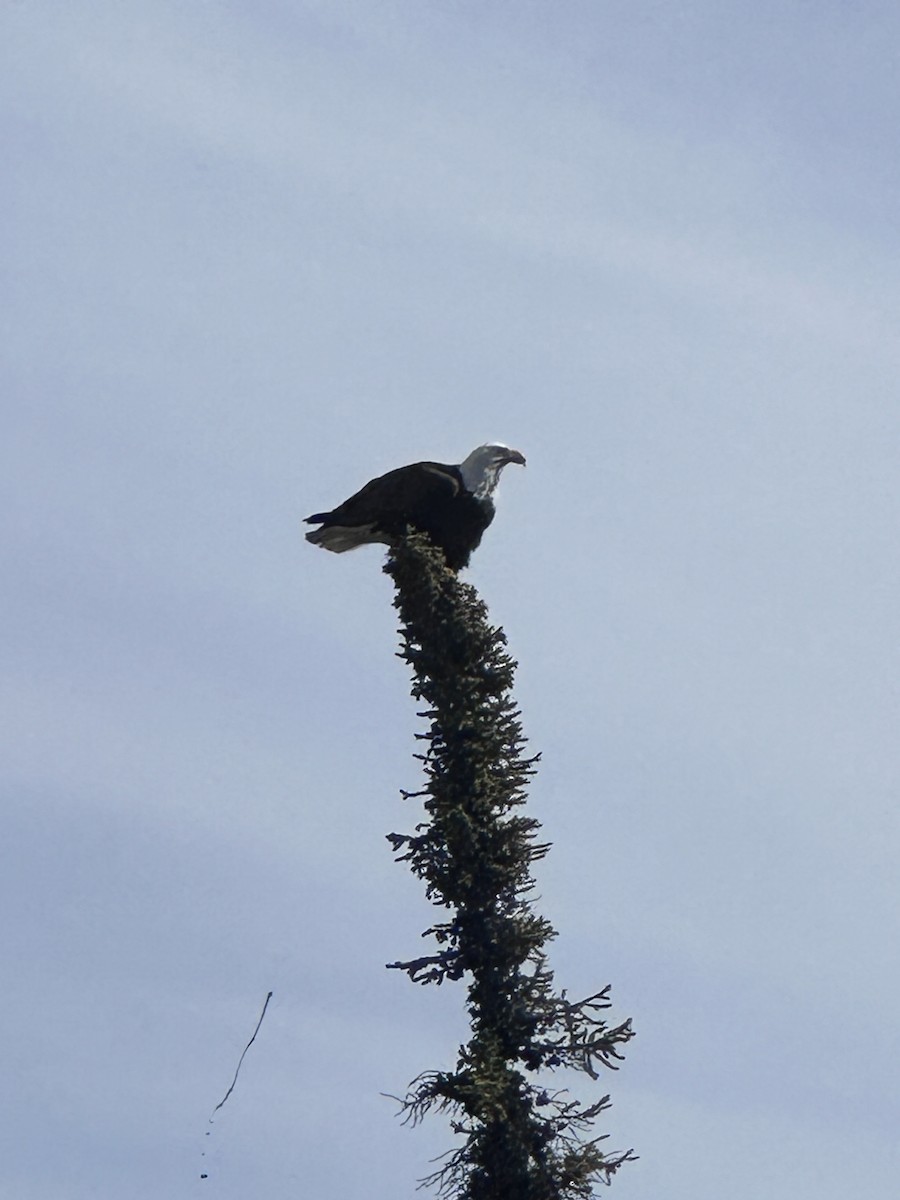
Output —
(481, 470)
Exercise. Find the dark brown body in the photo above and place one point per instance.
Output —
(426, 496)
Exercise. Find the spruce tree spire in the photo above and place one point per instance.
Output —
(474, 852)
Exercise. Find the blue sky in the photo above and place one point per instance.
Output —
(254, 255)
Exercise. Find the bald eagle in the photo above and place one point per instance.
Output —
(452, 504)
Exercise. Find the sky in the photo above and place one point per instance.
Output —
(253, 256)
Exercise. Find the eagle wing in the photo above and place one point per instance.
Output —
(402, 495)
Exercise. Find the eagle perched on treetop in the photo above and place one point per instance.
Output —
(453, 505)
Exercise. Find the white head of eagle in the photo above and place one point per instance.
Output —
(453, 505)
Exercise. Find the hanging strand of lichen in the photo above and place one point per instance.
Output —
(475, 851)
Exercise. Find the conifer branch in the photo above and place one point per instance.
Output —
(474, 853)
